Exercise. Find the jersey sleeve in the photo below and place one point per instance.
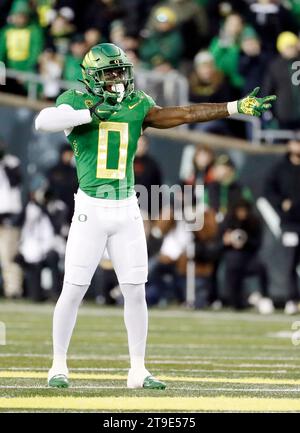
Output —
(72, 98)
(148, 103)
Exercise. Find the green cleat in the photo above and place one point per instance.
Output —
(151, 383)
(59, 381)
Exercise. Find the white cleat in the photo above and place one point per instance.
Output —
(143, 379)
(136, 378)
(58, 378)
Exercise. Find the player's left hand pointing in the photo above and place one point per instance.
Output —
(255, 106)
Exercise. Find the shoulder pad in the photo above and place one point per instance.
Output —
(71, 97)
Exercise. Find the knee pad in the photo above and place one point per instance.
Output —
(134, 292)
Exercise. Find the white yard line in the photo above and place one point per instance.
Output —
(165, 359)
(72, 369)
(173, 370)
(117, 312)
(171, 388)
(121, 332)
(194, 347)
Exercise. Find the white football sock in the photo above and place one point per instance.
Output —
(136, 322)
(64, 320)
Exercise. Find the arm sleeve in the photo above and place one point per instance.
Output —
(148, 103)
(61, 118)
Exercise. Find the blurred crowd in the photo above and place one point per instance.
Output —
(223, 254)
(224, 48)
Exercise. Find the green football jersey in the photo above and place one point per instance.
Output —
(105, 150)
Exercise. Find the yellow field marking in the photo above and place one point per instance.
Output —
(222, 403)
(104, 376)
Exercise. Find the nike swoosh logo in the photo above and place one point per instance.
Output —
(134, 105)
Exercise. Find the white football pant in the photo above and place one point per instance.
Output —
(113, 224)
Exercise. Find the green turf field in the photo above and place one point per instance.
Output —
(211, 361)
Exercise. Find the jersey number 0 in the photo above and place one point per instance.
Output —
(102, 171)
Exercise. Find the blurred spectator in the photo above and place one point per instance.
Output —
(282, 190)
(135, 14)
(62, 179)
(203, 161)
(51, 65)
(21, 42)
(78, 48)
(202, 174)
(99, 14)
(164, 282)
(147, 173)
(133, 57)
(43, 241)
(92, 37)
(270, 18)
(61, 29)
(118, 36)
(278, 80)
(10, 211)
(5, 6)
(242, 238)
(163, 47)
(207, 254)
(218, 10)
(44, 10)
(168, 274)
(75, 7)
(226, 48)
(208, 84)
(225, 190)
(252, 62)
(191, 20)
(294, 6)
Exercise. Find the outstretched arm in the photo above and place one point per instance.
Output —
(169, 117)
(65, 117)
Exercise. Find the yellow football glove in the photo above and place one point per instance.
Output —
(254, 106)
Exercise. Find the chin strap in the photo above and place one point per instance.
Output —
(103, 109)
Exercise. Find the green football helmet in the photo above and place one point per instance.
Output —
(108, 73)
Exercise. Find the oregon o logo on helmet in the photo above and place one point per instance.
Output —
(82, 218)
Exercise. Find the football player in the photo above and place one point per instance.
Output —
(103, 125)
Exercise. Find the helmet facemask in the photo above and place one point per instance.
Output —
(113, 83)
